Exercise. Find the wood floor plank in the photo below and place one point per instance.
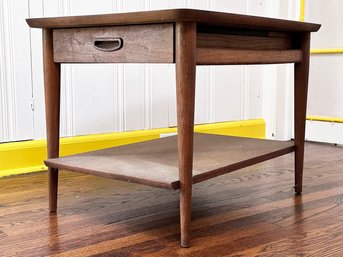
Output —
(252, 212)
(151, 235)
(206, 235)
(317, 239)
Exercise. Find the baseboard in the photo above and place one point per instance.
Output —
(324, 129)
(28, 156)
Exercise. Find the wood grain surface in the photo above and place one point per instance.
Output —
(185, 69)
(140, 44)
(252, 212)
(52, 92)
(174, 15)
(223, 56)
(301, 73)
(215, 40)
(155, 162)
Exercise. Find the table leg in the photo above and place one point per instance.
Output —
(185, 94)
(52, 110)
(301, 71)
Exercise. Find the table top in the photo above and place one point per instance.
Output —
(175, 15)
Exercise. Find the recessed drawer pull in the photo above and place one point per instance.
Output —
(108, 44)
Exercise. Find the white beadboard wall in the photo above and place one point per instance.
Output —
(107, 97)
(16, 116)
(326, 70)
(326, 77)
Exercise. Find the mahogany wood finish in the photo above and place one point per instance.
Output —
(140, 44)
(301, 71)
(252, 212)
(52, 110)
(216, 56)
(155, 162)
(201, 17)
(185, 60)
(248, 42)
(186, 37)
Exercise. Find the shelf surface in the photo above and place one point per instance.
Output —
(155, 162)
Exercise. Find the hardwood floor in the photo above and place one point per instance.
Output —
(252, 212)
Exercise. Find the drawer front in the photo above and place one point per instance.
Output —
(116, 44)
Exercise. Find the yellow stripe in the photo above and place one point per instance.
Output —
(325, 119)
(246, 128)
(302, 10)
(28, 156)
(327, 51)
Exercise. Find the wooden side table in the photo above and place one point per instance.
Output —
(187, 38)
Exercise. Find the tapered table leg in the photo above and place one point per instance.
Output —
(52, 110)
(185, 94)
(301, 71)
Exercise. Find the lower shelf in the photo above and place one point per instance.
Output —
(155, 162)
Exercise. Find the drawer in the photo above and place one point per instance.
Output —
(116, 44)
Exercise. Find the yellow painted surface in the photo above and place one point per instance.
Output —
(325, 119)
(327, 51)
(302, 10)
(246, 128)
(28, 156)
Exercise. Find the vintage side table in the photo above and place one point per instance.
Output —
(187, 38)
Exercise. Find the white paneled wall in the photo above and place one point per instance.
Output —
(329, 14)
(326, 86)
(326, 77)
(103, 98)
(16, 117)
